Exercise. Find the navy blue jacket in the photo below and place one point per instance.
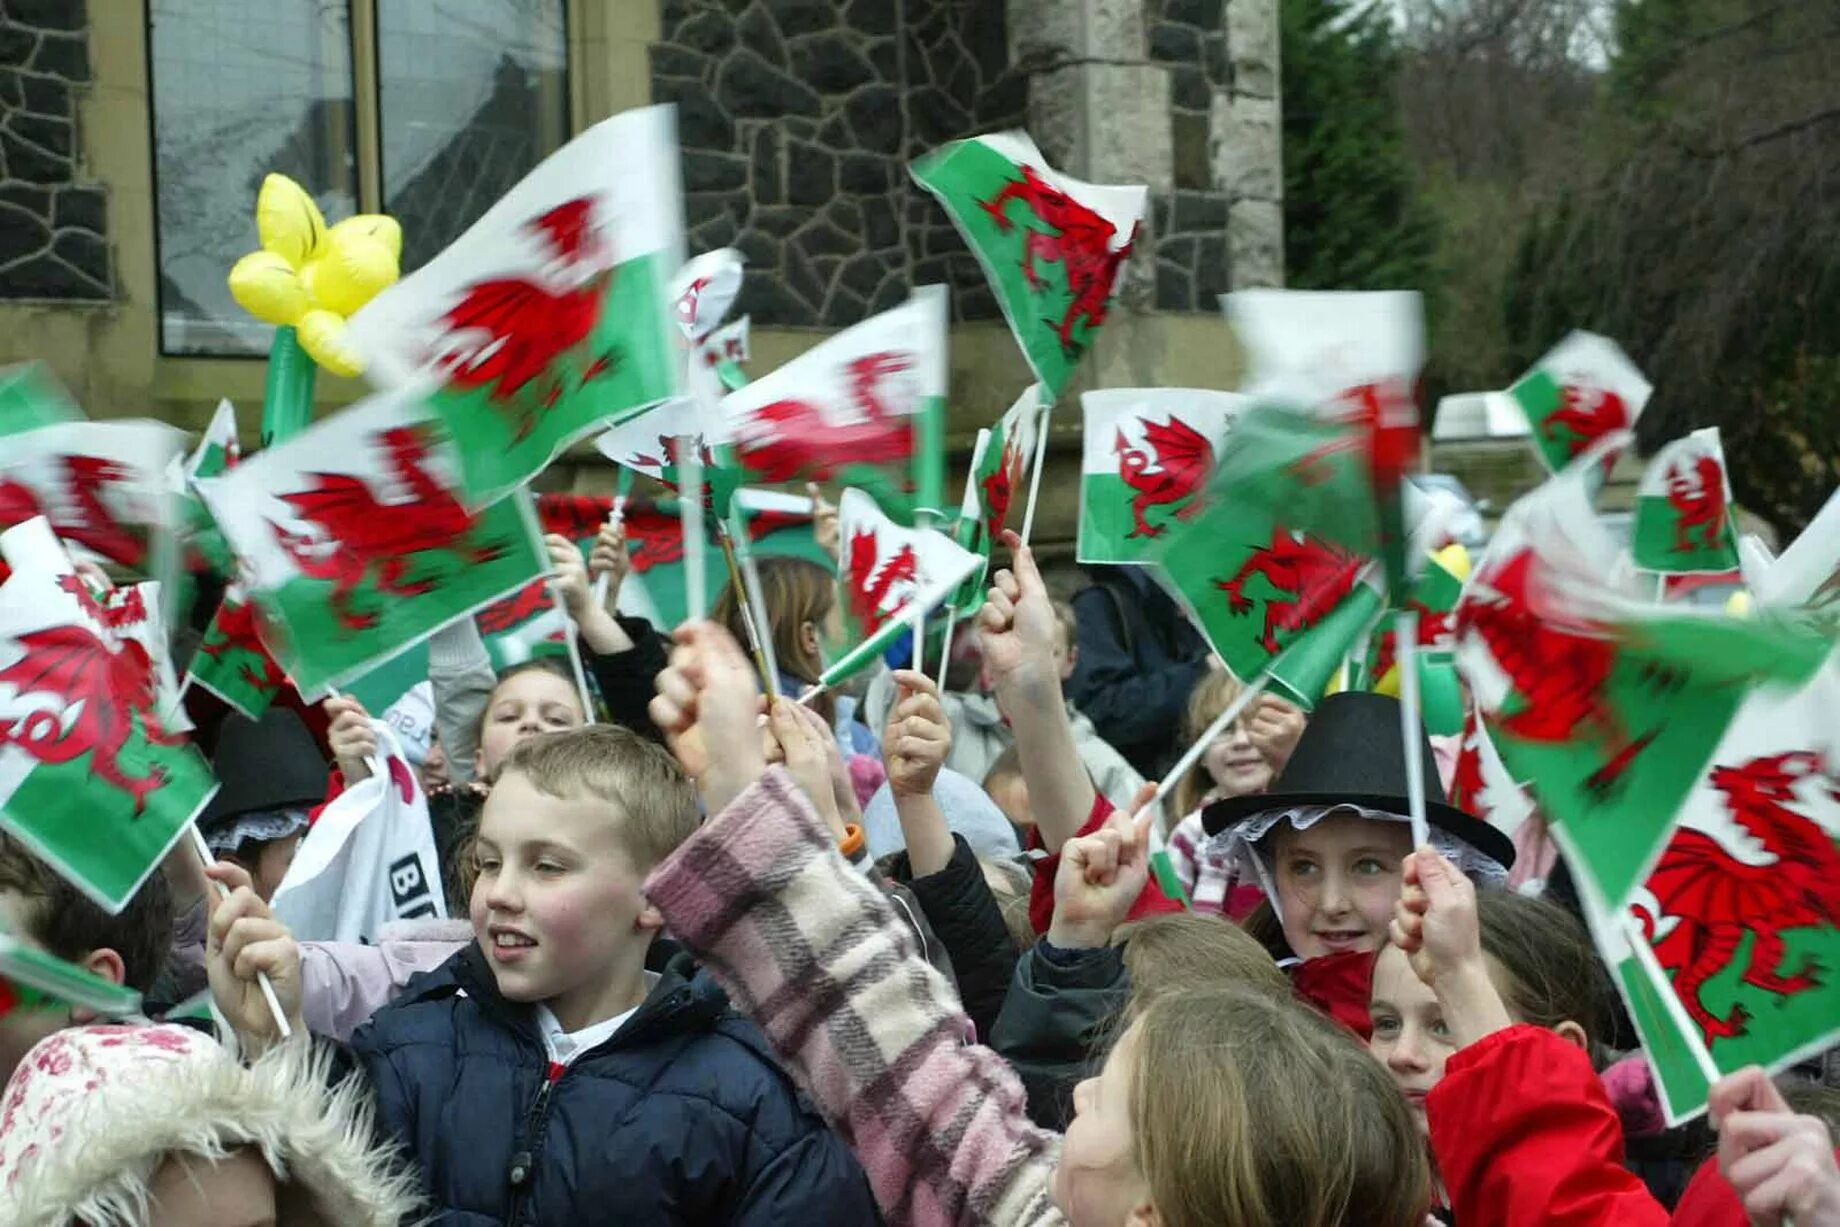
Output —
(1139, 660)
(681, 1117)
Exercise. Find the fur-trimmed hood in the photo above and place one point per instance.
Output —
(91, 1111)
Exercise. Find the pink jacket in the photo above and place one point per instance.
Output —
(343, 983)
(814, 953)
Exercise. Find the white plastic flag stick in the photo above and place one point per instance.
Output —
(690, 513)
(1041, 452)
(268, 989)
(1247, 695)
(602, 581)
(573, 640)
(922, 519)
(945, 649)
(1405, 632)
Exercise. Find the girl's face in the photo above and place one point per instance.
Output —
(1410, 1038)
(1235, 764)
(1337, 882)
(525, 704)
(1097, 1183)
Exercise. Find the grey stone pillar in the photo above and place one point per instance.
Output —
(1246, 140)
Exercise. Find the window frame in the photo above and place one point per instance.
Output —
(366, 135)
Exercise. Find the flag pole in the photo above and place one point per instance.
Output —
(572, 640)
(690, 514)
(1405, 635)
(757, 603)
(223, 892)
(745, 606)
(1041, 453)
(945, 649)
(616, 517)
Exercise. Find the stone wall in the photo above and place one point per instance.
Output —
(798, 117)
(53, 227)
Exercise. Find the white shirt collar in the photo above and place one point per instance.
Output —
(565, 1046)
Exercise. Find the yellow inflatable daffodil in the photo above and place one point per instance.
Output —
(311, 277)
(1454, 559)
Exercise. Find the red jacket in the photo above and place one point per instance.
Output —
(1152, 902)
(1523, 1133)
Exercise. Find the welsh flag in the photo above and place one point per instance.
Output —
(864, 407)
(1739, 911)
(1683, 519)
(1306, 666)
(1051, 246)
(92, 780)
(1000, 472)
(724, 351)
(1481, 784)
(1582, 390)
(1433, 596)
(1352, 358)
(551, 317)
(30, 979)
(1146, 457)
(31, 396)
(1288, 526)
(353, 540)
(231, 661)
(656, 443)
(1603, 705)
(104, 486)
(527, 623)
(218, 451)
(890, 575)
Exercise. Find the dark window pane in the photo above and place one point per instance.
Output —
(474, 94)
(240, 90)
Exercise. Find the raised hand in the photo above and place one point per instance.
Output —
(1016, 626)
(917, 738)
(803, 750)
(1781, 1164)
(1274, 725)
(245, 940)
(1435, 924)
(351, 737)
(571, 575)
(1100, 877)
(610, 558)
(708, 706)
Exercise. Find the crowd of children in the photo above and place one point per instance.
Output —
(716, 958)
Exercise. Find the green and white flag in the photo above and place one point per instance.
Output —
(526, 624)
(890, 575)
(91, 779)
(232, 662)
(1146, 457)
(1583, 389)
(1603, 705)
(1001, 470)
(1304, 669)
(30, 979)
(724, 351)
(1735, 908)
(864, 407)
(656, 442)
(104, 486)
(1808, 572)
(551, 317)
(1683, 518)
(216, 452)
(354, 541)
(31, 396)
(1288, 526)
(1051, 246)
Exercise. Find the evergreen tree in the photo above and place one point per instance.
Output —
(1353, 217)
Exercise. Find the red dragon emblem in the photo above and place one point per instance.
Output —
(1586, 413)
(238, 632)
(1562, 672)
(1713, 899)
(871, 585)
(793, 440)
(1171, 466)
(653, 539)
(513, 611)
(1385, 417)
(1317, 576)
(366, 539)
(1466, 782)
(509, 334)
(1698, 500)
(106, 688)
(998, 489)
(88, 521)
(1077, 237)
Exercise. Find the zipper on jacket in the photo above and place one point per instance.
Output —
(523, 1163)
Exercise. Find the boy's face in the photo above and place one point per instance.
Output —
(21, 1029)
(558, 908)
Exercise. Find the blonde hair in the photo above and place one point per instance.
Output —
(1183, 949)
(1212, 695)
(1249, 1107)
(655, 803)
(1009, 885)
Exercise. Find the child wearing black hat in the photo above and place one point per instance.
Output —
(271, 774)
